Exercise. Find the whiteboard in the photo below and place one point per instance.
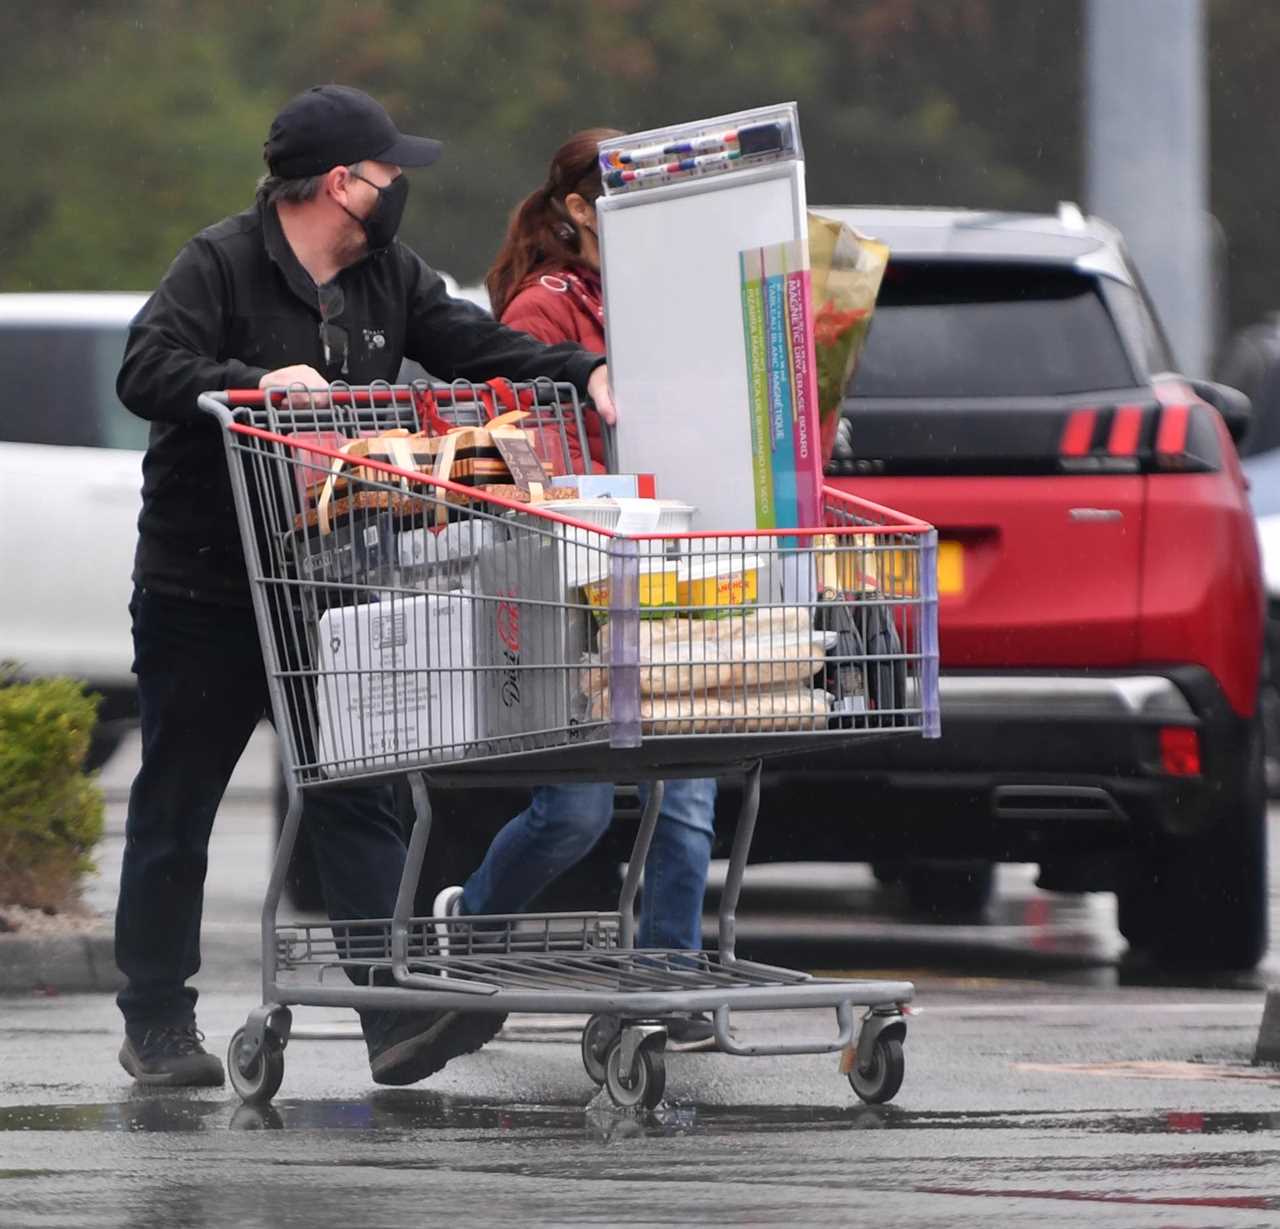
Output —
(673, 325)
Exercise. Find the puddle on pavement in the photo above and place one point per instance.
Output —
(171, 1113)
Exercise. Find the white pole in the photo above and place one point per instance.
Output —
(1145, 155)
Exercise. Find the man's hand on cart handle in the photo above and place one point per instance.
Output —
(599, 391)
(299, 373)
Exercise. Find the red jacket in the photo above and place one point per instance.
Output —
(564, 305)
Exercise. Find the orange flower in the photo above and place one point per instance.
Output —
(830, 325)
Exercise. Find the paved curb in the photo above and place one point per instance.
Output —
(84, 963)
(72, 964)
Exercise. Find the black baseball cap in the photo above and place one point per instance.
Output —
(336, 125)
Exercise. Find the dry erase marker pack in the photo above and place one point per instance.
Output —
(685, 152)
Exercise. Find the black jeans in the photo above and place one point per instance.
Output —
(202, 689)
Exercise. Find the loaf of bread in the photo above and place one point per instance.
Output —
(769, 648)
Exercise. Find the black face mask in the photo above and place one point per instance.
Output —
(383, 222)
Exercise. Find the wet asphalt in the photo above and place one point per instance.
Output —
(1048, 1079)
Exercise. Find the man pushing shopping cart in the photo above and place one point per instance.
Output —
(306, 286)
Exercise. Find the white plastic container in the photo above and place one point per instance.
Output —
(719, 581)
(673, 516)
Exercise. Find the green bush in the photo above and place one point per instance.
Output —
(50, 811)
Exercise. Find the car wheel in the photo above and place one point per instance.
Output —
(949, 888)
(1201, 902)
(1137, 917)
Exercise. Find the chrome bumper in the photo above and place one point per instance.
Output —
(1096, 698)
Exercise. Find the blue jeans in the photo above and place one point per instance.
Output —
(563, 823)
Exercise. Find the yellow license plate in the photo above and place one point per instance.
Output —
(950, 569)
(892, 571)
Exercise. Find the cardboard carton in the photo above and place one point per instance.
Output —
(396, 683)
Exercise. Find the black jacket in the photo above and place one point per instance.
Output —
(236, 304)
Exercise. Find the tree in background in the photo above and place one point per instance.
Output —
(139, 121)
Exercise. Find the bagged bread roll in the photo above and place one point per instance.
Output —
(778, 709)
(769, 648)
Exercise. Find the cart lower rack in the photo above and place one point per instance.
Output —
(448, 631)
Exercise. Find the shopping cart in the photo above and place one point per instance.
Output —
(460, 634)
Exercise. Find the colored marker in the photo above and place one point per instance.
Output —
(672, 170)
(647, 153)
(751, 141)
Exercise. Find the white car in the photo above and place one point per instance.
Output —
(1269, 540)
(70, 488)
(1263, 472)
(70, 484)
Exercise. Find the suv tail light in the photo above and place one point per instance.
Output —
(1103, 441)
(1126, 431)
(1131, 439)
(1077, 435)
(1187, 441)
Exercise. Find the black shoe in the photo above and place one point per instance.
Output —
(171, 1054)
(695, 1032)
(405, 1047)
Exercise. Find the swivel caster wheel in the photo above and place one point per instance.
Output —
(877, 1078)
(256, 1080)
(644, 1084)
(600, 1033)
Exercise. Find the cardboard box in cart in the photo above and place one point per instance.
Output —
(533, 627)
(396, 683)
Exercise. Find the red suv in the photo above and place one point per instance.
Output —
(1101, 600)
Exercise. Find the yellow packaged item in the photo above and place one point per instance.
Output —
(658, 589)
(717, 583)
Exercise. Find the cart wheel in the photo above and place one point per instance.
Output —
(643, 1085)
(258, 1083)
(879, 1079)
(600, 1033)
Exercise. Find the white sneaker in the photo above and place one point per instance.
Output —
(448, 903)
